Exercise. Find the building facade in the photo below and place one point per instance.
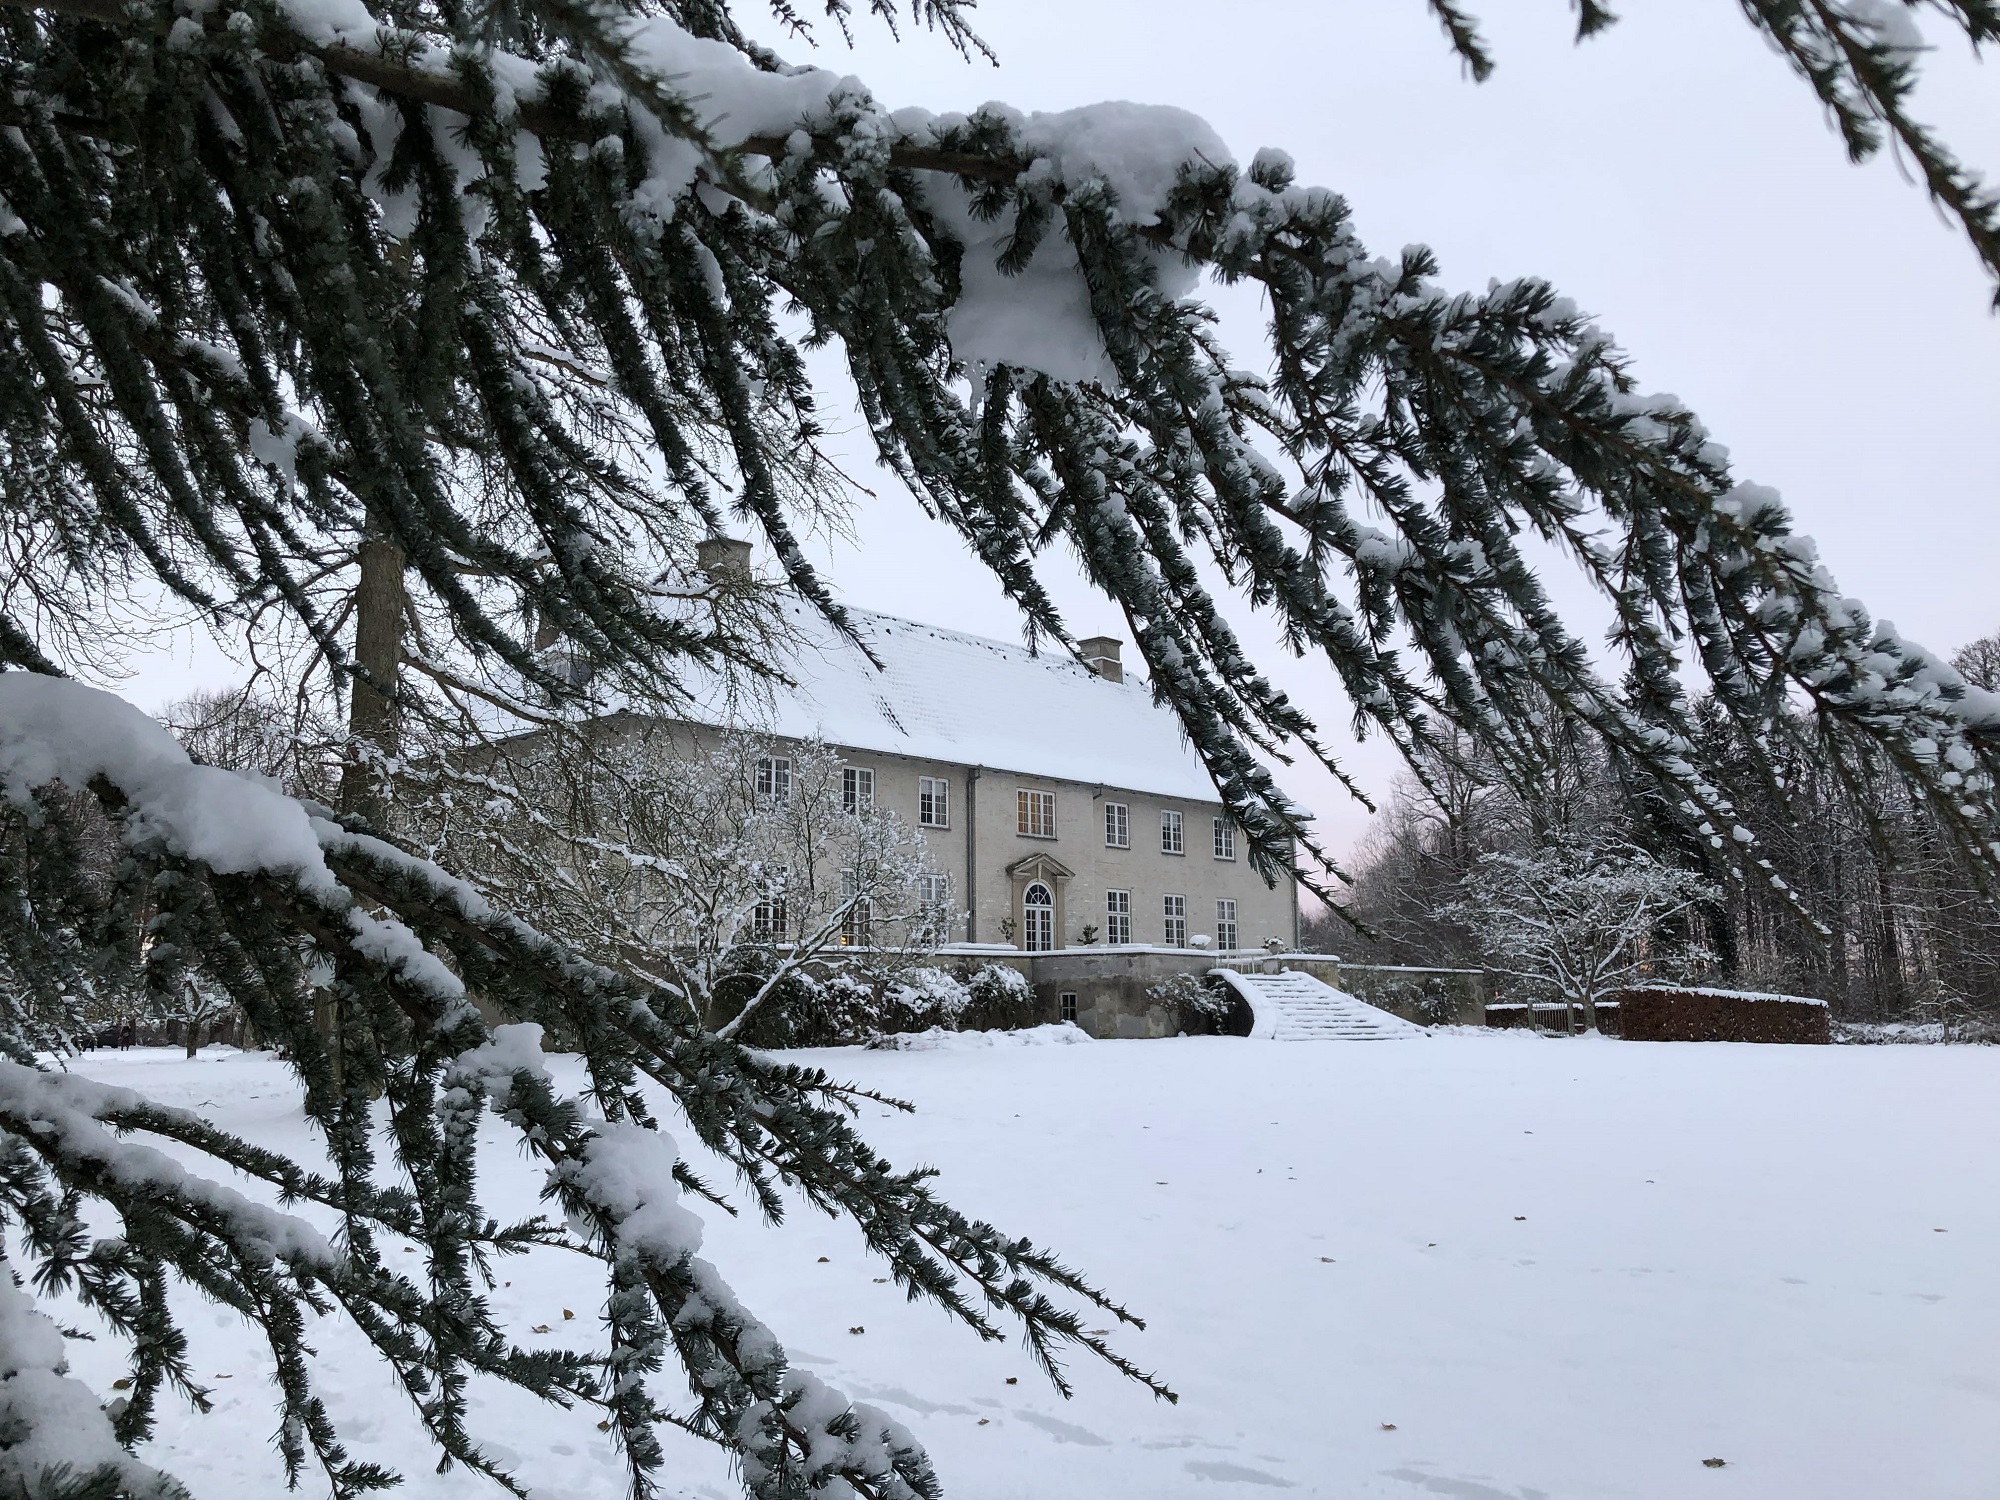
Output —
(1062, 804)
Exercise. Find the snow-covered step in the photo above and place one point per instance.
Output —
(1294, 1007)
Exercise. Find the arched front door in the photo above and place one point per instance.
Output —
(1038, 918)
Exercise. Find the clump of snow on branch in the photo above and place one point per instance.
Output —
(52, 730)
(53, 1428)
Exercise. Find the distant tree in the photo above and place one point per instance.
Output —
(1978, 662)
(192, 1010)
(244, 730)
(1572, 919)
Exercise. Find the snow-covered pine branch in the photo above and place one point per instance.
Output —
(454, 270)
(288, 910)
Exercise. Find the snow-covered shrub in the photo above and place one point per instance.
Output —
(1429, 999)
(999, 999)
(803, 1009)
(1195, 1005)
(922, 999)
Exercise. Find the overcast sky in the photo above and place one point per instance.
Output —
(1671, 176)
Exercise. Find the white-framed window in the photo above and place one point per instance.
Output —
(1225, 925)
(1035, 814)
(1173, 911)
(774, 778)
(857, 790)
(857, 927)
(769, 919)
(1225, 839)
(1172, 834)
(935, 915)
(1117, 826)
(1066, 1006)
(1117, 916)
(1038, 918)
(933, 802)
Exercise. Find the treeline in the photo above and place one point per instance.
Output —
(1908, 935)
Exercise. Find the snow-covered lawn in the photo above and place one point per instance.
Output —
(1485, 1267)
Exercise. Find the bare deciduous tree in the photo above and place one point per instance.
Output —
(1575, 918)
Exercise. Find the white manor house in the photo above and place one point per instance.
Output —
(1064, 805)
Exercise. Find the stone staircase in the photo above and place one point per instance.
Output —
(1294, 1007)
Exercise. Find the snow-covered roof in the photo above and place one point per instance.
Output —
(947, 696)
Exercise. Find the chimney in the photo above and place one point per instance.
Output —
(1100, 654)
(723, 557)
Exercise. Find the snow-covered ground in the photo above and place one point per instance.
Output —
(1478, 1266)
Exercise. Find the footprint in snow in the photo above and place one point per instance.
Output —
(1235, 1474)
(1063, 1432)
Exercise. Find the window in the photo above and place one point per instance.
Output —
(1035, 814)
(1225, 839)
(774, 778)
(1066, 1006)
(1117, 826)
(857, 790)
(1117, 916)
(1038, 918)
(934, 914)
(856, 928)
(1174, 910)
(933, 802)
(1225, 925)
(1170, 834)
(769, 919)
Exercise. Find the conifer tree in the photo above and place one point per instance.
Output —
(446, 332)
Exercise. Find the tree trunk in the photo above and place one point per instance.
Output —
(191, 1038)
(374, 717)
(374, 712)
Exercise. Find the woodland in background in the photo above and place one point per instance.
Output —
(1910, 936)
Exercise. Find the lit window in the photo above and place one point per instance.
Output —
(857, 790)
(1171, 841)
(1225, 839)
(774, 778)
(1117, 826)
(1038, 918)
(1225, 926)
(1035, 814)
(1174, 910)
(933, 802)
(1066, 1006)
(1117, 916)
